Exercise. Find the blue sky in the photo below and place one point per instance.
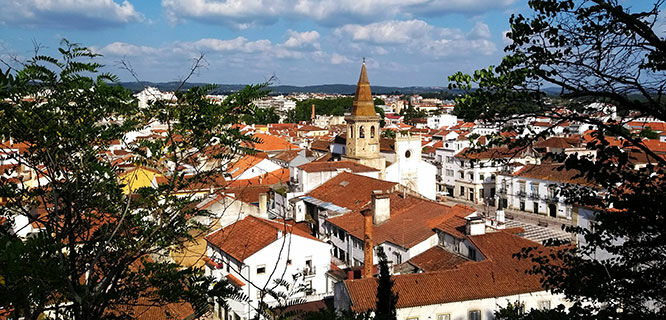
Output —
(301, 42)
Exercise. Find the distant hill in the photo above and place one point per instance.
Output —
(284, 89)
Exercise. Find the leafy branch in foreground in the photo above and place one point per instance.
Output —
(99, 240)
(604, 57)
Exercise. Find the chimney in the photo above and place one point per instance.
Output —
(500, 216)
(368, 243)
(313, 114)
(475, 225)
(263, 205)
(381, 207)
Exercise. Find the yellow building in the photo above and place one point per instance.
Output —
(138, 177)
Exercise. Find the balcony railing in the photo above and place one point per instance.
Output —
(309, 271)
(534, 196)
(501, 191)
(522, 194)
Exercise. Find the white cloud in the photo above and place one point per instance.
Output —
(68, 13)
(479, 31)
(418, 36)
(388, 32)
(126, 49)
(301, 39)
(337, 58)
(245, 13)
(239, 44)
(505, 39)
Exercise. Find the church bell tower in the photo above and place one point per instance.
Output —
(363, 127)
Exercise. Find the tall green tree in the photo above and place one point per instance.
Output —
(99, 252)
(600, 53)
(386, 297)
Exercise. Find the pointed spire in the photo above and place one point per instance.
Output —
(363, 78)
(363, 104)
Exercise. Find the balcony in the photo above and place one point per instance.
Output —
(309, 271)
(534, 196)
(522, 194)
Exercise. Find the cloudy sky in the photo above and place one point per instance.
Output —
(301, 42)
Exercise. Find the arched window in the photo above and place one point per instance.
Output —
(351, 132)
(372, 132)
(361, 132)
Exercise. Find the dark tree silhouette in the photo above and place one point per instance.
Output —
(386, 298)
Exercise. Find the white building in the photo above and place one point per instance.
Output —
(409, 169)
(448, 167)
(442, 120)
(536, 189)
(252, 253)
(475, 175)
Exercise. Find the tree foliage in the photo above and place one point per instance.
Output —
(99, 252)
(600, 54)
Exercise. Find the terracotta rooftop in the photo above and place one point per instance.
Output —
(320, 145)
(243, 164)
(311, 128)
(497, 276)
(268, 142)
(335, 165)
(552, 172)
(274, 177)
(411, 221)
(491, 153)
(558, 142)
(286, 156)
(350, 190)
(245, 237)
(437, 259)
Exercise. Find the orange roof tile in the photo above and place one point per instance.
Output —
(552, 172)
(270, 178)
(235, 281)
(497, 276)
(411, 221)
(437, 259)
(245, 237)
(335, 165)
(350, 190)
(268, 142)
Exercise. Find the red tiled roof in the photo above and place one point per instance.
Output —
(286, 156)
(492, 153)
(335, 165)
(268, 142)
(247, 194)
(235, 281)
(558, 142)
(320, 145)
(498, 275)
(437, 259)
(311, 128)
(243, 164)
(274, 177)
(245, 237)
(350, 190)
(411, 221)
(455, 226)
(552, 172)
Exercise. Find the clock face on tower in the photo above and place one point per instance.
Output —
(408, 154)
